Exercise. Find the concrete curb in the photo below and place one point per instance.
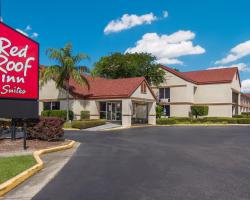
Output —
(204, 125)
(13, 182)
(71, 129)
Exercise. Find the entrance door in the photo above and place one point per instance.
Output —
(113, 111)
(140, 113)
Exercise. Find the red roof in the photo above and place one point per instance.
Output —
(101, 88)
(246, 94)
(224, 75)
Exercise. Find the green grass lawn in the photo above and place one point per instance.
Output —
(12, 166)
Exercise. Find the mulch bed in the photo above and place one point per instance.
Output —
(8, 146)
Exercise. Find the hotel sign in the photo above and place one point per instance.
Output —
(18, 65)
(19, 74)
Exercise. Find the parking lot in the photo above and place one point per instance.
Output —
(156, 163)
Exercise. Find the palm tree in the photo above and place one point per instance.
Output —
(67, 68)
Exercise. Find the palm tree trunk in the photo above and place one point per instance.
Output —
(67, 100)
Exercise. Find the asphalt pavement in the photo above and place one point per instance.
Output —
(156, 163)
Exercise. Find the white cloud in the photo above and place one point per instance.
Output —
(245, 85)
(28, 28)
(128, 21)
(239, 51)
(24, 33)
(167, 48)
(165, 13)
(27, 32)
(34, 35)
(241, 66)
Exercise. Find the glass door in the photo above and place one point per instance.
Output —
(114, 111)
(109, 111)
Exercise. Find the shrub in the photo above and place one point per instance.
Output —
(67, 125)
(243, 121)
(58, 113)
(199, 110)
(87, 123)
(238, 116)
(85, 115)
(245, 114)
(182, 119)
(164, 121)
(226, 120)
(47, 128)
(159, 111)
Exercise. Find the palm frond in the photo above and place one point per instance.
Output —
(55, 54)
(80, 79)
(79, 57)
(68, 66)
(49, 73)
(83, 69)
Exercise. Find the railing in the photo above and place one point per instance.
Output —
(167, 100)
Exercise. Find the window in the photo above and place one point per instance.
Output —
(166, 110)
(195, 88)
(164, 93)
(111, 111)
(144, 87)
(54, 105)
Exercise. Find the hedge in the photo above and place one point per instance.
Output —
(58, 113)
(246, 114)
(214, 120)
(85, 115)
(226, 120)
(243, 121)
(163, 121)
(83, 124)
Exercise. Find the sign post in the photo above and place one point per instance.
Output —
(19, 75)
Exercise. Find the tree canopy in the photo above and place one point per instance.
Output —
(118, 65)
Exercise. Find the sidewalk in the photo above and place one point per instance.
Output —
(103, 127)
(54, 162)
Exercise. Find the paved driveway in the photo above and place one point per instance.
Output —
(156, 163)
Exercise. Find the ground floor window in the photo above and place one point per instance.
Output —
(54, 105)
(111, 111)
(166, 110)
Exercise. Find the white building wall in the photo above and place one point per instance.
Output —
(138, 94)
(49, 92)
(213, 93)
(182, 95)
(127, 110)
(180, 110)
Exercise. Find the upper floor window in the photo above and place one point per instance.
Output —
(54, 105)
(144, 87)
(164, 93)
(195, 88)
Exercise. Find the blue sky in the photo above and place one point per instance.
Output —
(189, 35)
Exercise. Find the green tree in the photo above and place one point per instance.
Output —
(159, 111)
(67, 67)
(199, 110)
(118, 65)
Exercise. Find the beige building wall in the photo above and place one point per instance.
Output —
(49, 93)
(180, 110)
(183, 94)
(138, 94)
